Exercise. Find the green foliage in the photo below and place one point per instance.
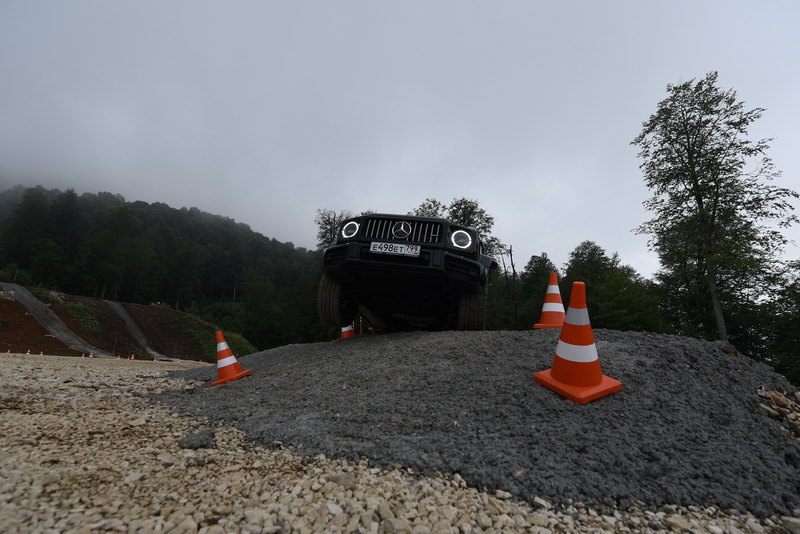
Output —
(203, 331)
(87, 317)
(515, 300)
(467, 212)
(12, 273)
(716, 219)
(239, 345)
(48, 296)
(616, 295)
(781, 319)
(101, 246)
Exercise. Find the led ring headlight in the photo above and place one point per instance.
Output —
(461, 239)
(349, 230)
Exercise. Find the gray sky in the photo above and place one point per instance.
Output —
(265, 111)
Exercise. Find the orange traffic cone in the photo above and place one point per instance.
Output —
(552, 309)
(348, 331)
(228, 368)
(576, 372)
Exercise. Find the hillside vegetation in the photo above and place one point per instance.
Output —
(99, 245)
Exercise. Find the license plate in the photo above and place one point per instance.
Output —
(399, 249)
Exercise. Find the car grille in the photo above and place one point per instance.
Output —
(421, 231)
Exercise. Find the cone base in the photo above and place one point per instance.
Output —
(548, 325)
(237, 376)
(579, 395)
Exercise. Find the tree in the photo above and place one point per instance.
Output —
(430, 208)
(328, 222)
(783, 324)
(617, 296)
(711, 226)
(467, 212)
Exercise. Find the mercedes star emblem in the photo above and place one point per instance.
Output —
(401, 230)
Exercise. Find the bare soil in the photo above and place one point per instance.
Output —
(163, 327)
(20, 333)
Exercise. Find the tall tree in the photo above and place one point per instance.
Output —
(713, 208)
(328, 222)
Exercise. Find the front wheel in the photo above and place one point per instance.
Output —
(472, 309)
(335, 304)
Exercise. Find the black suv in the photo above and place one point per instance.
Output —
(405, 272)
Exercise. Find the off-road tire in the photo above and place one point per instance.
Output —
(334, 305)
(472, 310)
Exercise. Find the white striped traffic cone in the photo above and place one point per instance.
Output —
(228, 369)
(552, 309)
(576, 372)
(348, 331)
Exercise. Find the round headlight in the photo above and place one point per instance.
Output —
(461, 239)
(349, 230)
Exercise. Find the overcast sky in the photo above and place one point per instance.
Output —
(266, 111)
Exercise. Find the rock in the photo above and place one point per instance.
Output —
(792, 524)
(779, 399)
(199, 440)
(395, 525)
(677, 523)
(187, 526)
(538, 502)
(754, 525)
(258, 516)
(770, 411)
(539, 519)
(385, 511)
(334, 509)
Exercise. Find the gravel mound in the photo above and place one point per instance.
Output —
(686, 428)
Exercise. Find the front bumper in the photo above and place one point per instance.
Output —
(433, 269)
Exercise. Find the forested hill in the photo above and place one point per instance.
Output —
(102, 246)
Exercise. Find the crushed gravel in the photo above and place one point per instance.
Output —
(685, 430)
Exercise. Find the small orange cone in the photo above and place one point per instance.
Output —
(576, 372)
(552, 309)
(228, 369)
(348, 331)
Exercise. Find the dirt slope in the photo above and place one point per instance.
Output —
(161, 327)
(686, 429)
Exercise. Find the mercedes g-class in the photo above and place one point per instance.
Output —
(405, 272)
